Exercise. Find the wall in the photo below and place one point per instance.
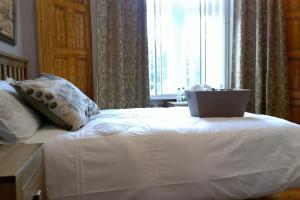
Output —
(93, 6)
(26, 45)
(17, 49)
(293, 44)
(27, 37)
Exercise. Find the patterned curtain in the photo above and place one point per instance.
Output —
(259, 55)
(123, 80)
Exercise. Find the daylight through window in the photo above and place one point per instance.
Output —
(188, 42)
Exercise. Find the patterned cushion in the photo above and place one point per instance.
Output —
(17, 121)
(59, 100)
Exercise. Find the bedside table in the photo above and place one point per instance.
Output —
(22, 172)
(176, 104)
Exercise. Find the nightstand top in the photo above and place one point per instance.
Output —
(14, 157)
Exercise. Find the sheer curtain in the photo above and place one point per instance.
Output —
(187, 42)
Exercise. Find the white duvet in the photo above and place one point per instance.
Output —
(165, 154)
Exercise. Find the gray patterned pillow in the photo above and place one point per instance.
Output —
(59, 100)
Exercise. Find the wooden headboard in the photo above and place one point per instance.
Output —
(12, 66)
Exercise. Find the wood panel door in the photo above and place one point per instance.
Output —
(293, 44)
(64, 37)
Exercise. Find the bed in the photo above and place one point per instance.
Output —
(164, 153)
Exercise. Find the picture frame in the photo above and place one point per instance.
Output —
(8, 21)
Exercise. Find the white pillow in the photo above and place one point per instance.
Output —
(17, 121)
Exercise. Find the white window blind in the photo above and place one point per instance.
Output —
(188, 44)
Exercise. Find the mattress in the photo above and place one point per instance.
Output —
(164, 154)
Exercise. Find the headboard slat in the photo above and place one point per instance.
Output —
(15, 72)
(1, 72)
(10, 74)
(5, 74)
(12, 66)
(23, 72)
(19, 73)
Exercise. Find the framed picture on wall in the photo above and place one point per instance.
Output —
(8, 21)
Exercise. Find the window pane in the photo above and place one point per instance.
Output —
(186, 44)
(151, 46)
(215, 27)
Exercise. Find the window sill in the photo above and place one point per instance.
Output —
(162, 100)
(163, 97)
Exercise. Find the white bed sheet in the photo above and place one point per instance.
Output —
(45, 133)
(164, 154)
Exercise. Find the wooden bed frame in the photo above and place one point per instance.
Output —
(12, 67)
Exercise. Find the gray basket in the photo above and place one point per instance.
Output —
(218, 103)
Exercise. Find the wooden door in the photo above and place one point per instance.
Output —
(293, 43)
(64, 37)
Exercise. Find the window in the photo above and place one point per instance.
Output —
(188, 42)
